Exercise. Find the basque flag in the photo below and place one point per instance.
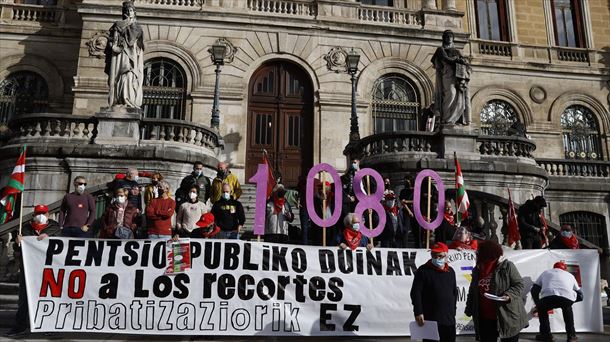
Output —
(13, 189)
(462, 197)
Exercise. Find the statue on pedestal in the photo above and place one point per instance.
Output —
(451, 100)
(125, 60)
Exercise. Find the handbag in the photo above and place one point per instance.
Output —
(122, 232)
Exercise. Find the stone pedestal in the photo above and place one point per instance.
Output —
(118, 126)
(461, 140)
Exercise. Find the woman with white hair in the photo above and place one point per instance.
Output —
(352, 237)
(279, 214)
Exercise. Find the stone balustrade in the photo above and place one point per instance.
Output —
(495, 48)
(573, 55)
(505, 146)
(389, 15)
(305, 8)
(535, 53)
(178, 3)
(48, 126)
(179, 131)
(27, 14)
(393, 142)
(575, 168)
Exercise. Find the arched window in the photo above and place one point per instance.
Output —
(164, 89)
(492, 19)
(589, 226)
(23, 92)
(580, 133)
(496, 117)
(395, 104)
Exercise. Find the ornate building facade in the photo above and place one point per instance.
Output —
(539, 64)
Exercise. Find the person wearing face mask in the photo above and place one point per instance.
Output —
(566, 239)
(462, 239)
(198, 179)
(189, 213)
(279, 214)
(492, 274)
(347, 182)
(434, 293)
(206, 227)
(224, 176)
(392, 235)
(120, 213)
(352, 237)
(77, 211)
(42, 227)
(152, 190)
(406, 213)
(229, 214)
(159, 214)
(130, 181)
(446, 230)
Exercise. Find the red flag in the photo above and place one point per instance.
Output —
(513, 226)
(545, 229)
(270, 179)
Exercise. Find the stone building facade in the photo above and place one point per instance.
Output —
(284, 88)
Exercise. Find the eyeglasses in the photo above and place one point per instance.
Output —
(81, 183)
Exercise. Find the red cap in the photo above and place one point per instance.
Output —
(561, 265)
(119, 176)
(205, 220)
(439, 247)
(41, 209)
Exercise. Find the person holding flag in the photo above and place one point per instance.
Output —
(13, 189)
(531, 222)
(461, 201)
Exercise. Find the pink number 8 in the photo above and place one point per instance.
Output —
(372, 201)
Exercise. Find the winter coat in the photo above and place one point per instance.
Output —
(109, 220)
(217, 183)
(278, 223)
(505, 280)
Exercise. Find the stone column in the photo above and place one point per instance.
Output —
(449, 5)
(428, 4)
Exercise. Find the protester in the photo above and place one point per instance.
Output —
(387, 187)
(530, 223)
(393, 233)
(189, 213)
(159, 214)
(278, 215)
(120, 219)
(406, 213)
(196, 178)
(228, 214)
(224, 176)
(152, 190)
(352, 237)
(493, 275)
(77, 211)
(347, 183)
(323, 193)
(42, 227)
(434, 293)
(566, 239)
(556, 288)
(207, 228)
(446, 230)
(130, 182)
(303, 214)
(462, 239)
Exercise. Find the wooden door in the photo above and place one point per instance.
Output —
(280, 120)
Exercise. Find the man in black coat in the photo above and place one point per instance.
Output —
(434, 293)
(530, 224)
(195, 179)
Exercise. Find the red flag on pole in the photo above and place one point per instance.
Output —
(13, 189)
(271, 180)
(513, 226)
(545, 229)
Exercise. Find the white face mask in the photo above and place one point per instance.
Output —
(226, 195)
(198, 172)
(121, 199)
(41, 218)
(356, 227)
(136, 178)
(193, 195)
(80, 189)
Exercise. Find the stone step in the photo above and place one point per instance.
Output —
(9, 288)
(7, 317)
(8, 299)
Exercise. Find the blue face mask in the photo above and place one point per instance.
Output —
(440, 263)
(354, 166)
(226, 195)
(356, 227)
(566, 234)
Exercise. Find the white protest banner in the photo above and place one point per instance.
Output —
(249, 288)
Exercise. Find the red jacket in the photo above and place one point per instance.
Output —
(159, 216)
(109, 220)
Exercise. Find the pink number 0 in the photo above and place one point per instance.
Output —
(372, 201)
(417, 197)
(329, 221)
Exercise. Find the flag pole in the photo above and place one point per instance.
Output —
(429, 208)
(324, 204)
(21, 211)
(368, 190)
(457, 214)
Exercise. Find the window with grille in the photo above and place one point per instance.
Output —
(395, 104)
(589, 226)
(497, 117)
(567, 19)
(23, 92)
(492, 19)
(581, 138)
(164, 90)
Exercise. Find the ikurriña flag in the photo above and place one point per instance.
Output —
(513, 226)
(13, 189)
(462, 197)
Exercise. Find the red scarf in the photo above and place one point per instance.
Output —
(487, 308)
(278, 204)
(464, 245)
(392, 209)
(571, 242)
(352, 238)
(450, 218)
(38, 227)
(444, 269)
(487, 268)
(211, 233)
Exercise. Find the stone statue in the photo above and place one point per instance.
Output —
(451, 100)
(125, 60)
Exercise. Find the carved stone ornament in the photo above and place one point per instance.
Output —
(336, 60)
(97, 44)
(229, 52)
(537, 94)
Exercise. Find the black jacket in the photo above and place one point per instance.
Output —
(202, 182)
(528, 217)
(434, 294)
(228, 214)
